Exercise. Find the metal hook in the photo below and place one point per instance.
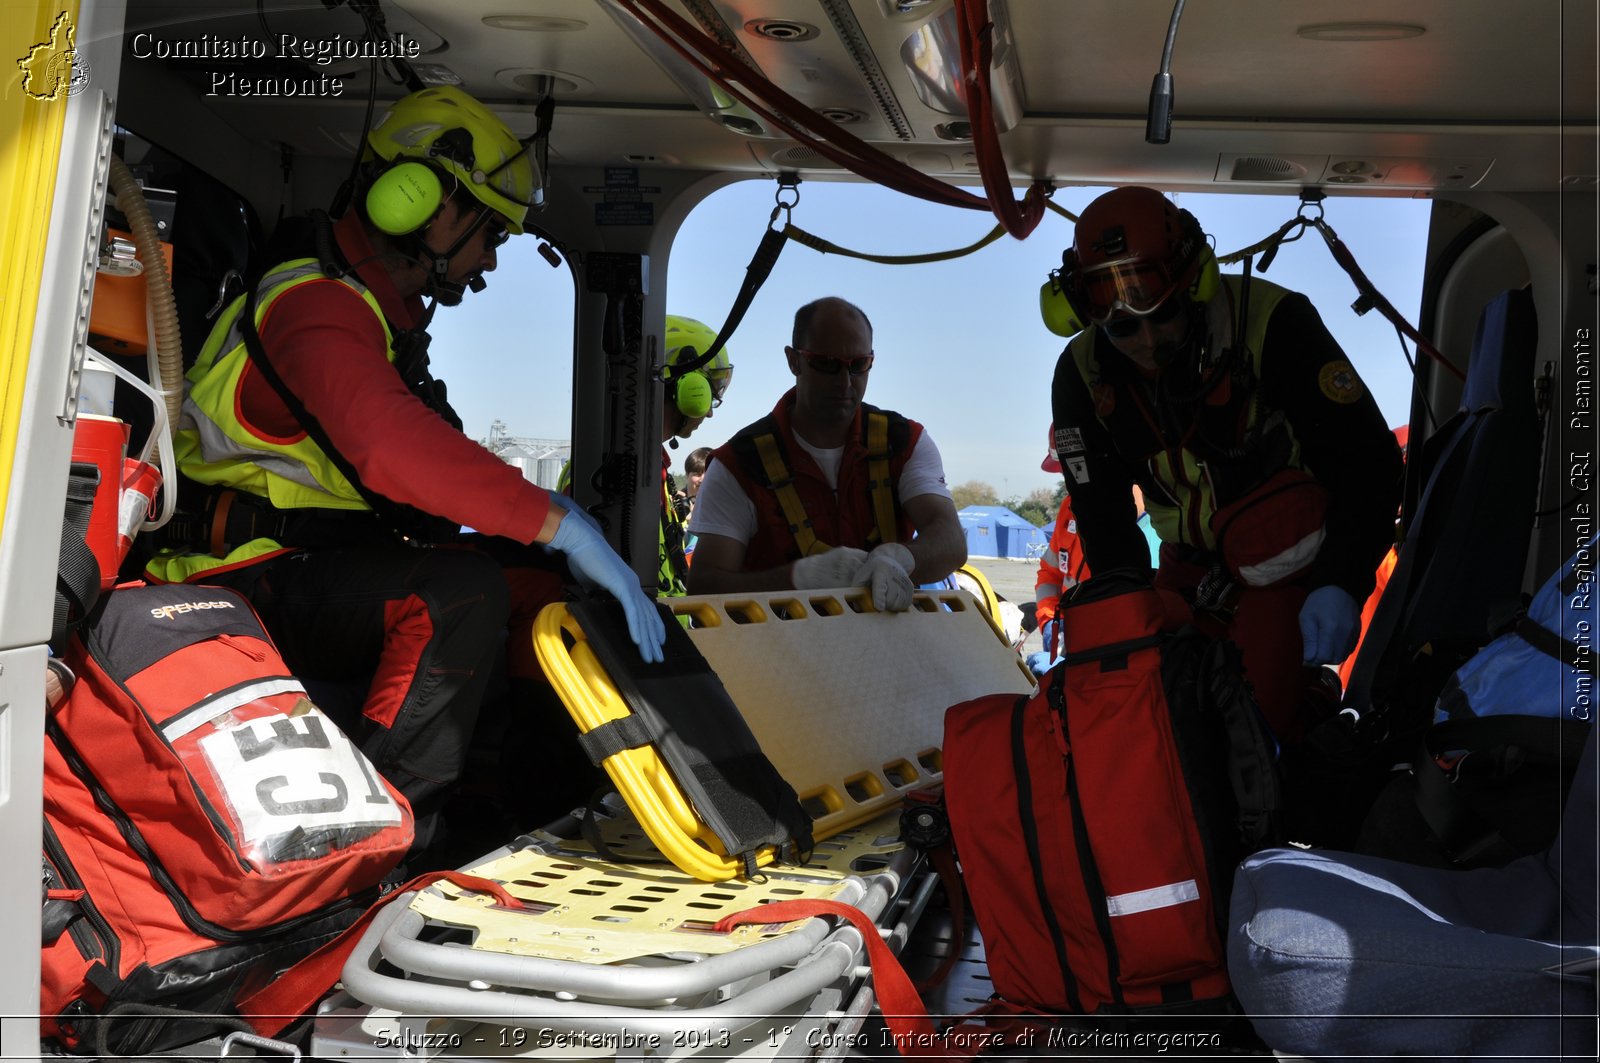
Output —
(1309, 198)
(786, 198)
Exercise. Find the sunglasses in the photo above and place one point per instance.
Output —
(830, 366)
(495, 232)
(490, 223)
(1122, 328)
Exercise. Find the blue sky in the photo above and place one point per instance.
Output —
(959, 345)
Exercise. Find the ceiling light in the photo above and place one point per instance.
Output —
(535, 23)
(1360, 31)
(785, 30)
(435, 74)
(540, 82)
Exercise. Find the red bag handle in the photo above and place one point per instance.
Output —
(909, 1025)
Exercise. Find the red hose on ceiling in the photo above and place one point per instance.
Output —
(975, 32)
(708, 56)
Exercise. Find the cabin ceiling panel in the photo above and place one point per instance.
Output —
(1490, 94)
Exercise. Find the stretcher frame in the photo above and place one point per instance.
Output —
(774, 991)
(856, 759)
(685, 997)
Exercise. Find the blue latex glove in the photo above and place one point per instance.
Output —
(1330, 620)
(595, 564)
(566, 502)
(1047, 635)
(1039, 663)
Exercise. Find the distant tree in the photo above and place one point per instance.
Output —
(1034, 509)
(974, 493)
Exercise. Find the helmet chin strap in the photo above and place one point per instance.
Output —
(444, 290)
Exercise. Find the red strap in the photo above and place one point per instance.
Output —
(943, 858)
(912, 1031)
(297, 990)
(65, 895)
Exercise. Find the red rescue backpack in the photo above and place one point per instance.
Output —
(205, 825)
(1098, 822)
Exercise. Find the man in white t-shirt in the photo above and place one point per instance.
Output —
(826, 491)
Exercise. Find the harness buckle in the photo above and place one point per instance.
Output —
(1217, 593)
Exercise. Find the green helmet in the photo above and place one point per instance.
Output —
(688, 339)
(484, 155)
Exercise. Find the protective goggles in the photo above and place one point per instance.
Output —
(828, 365)
(1131, 287)
(719, 381)
(1122, 328)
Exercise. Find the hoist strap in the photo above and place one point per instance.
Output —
(781, 480)
(755, 275)
(1375, 298)
(1269, 245)
(1370, 296)
(827, 247)
(1052, 205)
(882, 490)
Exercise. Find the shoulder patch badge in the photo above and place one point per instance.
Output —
(1340, 383)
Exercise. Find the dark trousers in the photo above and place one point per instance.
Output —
(421, 628)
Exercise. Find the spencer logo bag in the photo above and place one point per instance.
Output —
(205, 824)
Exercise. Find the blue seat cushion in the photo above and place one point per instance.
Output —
(1334, 954)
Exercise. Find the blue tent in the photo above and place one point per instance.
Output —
(995, 531)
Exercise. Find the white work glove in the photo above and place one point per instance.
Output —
(827, 570)
(888, 572)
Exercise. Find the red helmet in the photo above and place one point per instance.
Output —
(1051, 463)
(1131, 250)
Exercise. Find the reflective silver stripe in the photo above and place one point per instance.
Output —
(235, 334)
(1158, 897)
(217, 446)
(1285, 563)
(208, 710)
(283, 276)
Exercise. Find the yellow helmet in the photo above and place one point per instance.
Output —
(454, 132)
(687, 339)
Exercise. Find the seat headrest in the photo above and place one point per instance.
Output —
(1500, 372)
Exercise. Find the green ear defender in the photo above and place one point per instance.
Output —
(692, 394)
(1060, 316)
(1063, 319)
(404, 198)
